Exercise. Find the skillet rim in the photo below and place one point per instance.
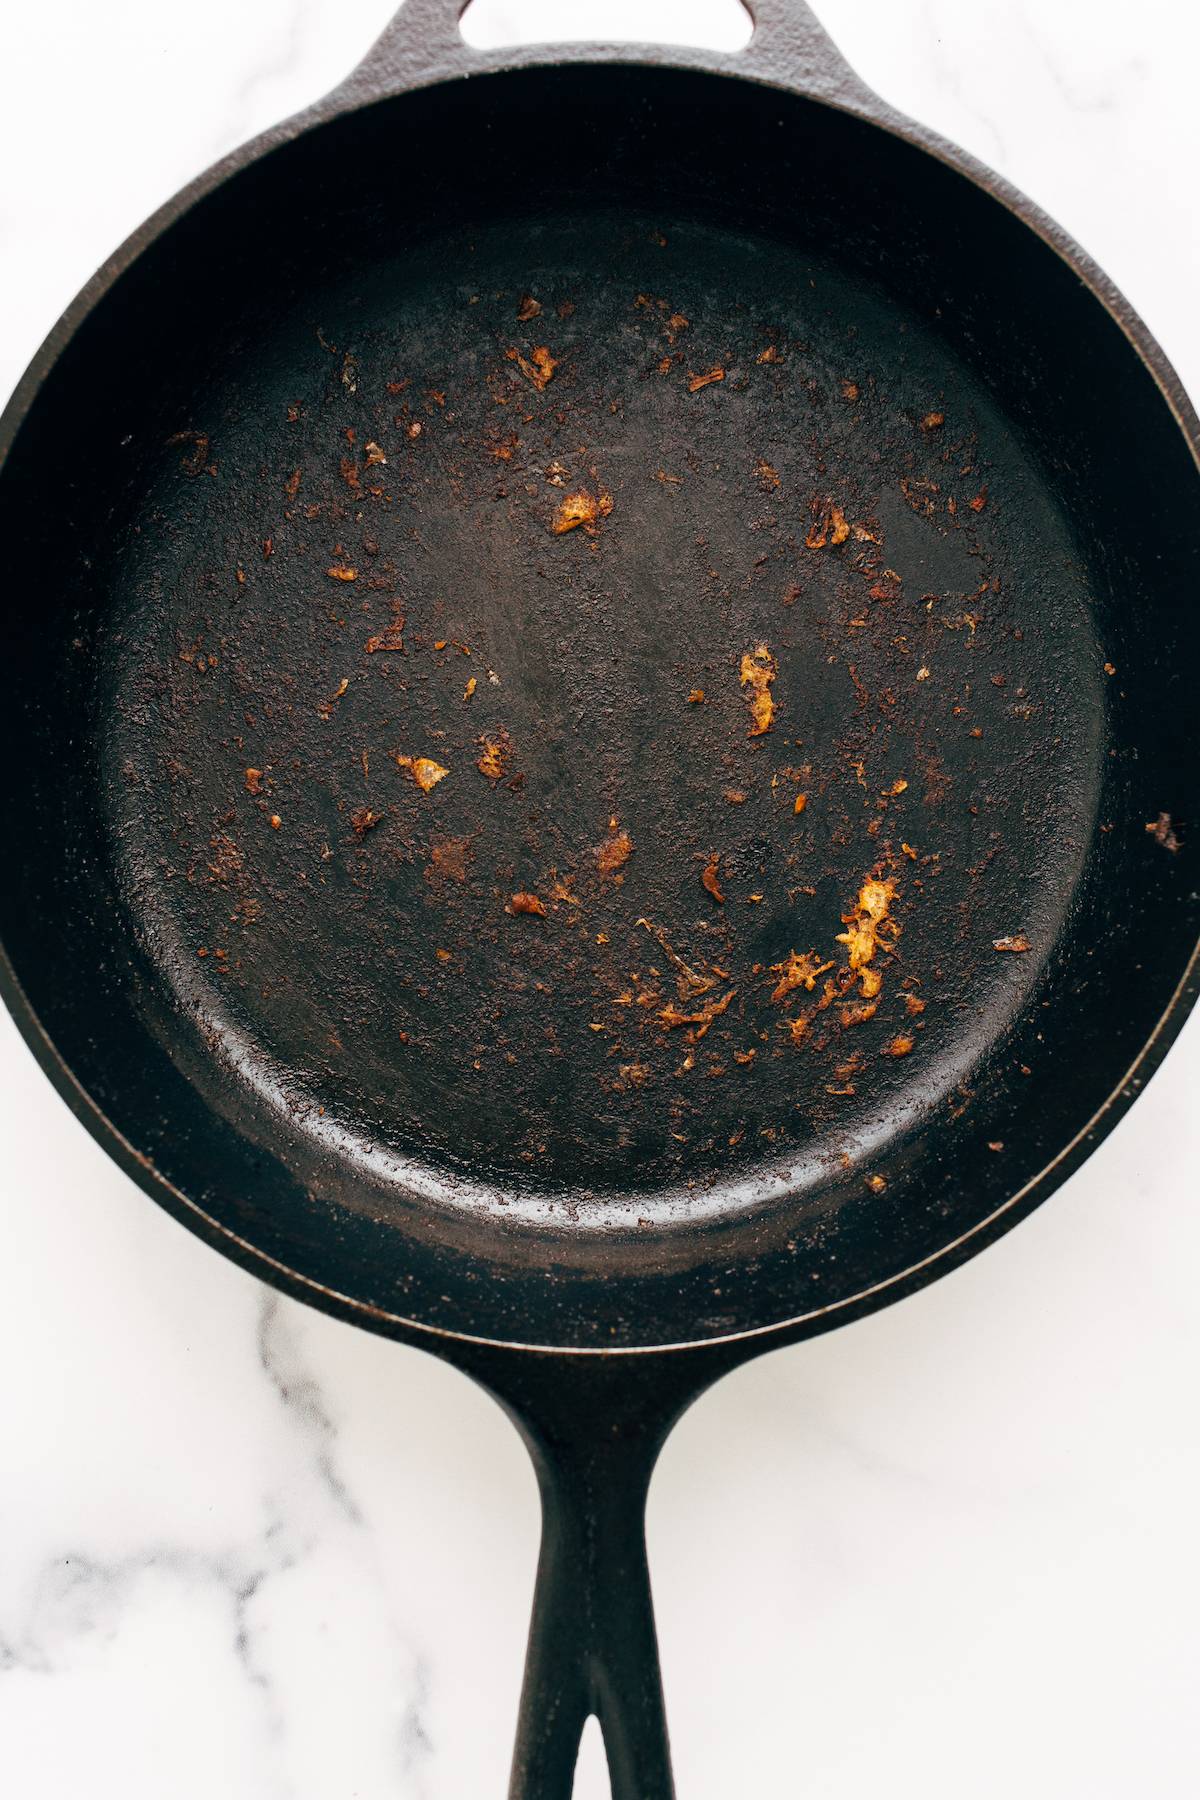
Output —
(838, 89)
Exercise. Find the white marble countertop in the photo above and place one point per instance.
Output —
(949, 1551)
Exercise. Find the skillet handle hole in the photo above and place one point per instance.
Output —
(706, 24)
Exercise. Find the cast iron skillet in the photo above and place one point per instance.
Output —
(662, 1029)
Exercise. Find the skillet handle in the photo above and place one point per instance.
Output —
(592, 1642)
(789, 48)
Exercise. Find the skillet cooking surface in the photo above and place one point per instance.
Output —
(366, 949)
(839, 433)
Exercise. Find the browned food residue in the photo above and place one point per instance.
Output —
(364, 820)
(797, 972)
(340, 572)
(528, 309)
(392, 636)
(1018, 943)
(868, 925)
(696, 382)
(583, 509)
(801, 803)
(448, 859)
(423, 770)
(700, 1019)
(710, 879)
(831, 526)
(494, 753)
(614, 852)
(900, 1045)
(758, 671)
(254, 781)
(1163, 832)
(197, 463)
(538, 367)
(325, 707)
(528, 903)
(767, 475)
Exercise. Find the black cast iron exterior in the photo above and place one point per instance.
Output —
(597, 1064)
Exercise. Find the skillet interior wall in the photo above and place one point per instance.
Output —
(1067, 380)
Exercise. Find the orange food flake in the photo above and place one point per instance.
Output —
(340, 572)
(797, 971)
(538, 367)
(696, 382)
(423, 770)
(757, 671)
(528, 903)
(868, 919)
(583, 509)
(831, 527)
